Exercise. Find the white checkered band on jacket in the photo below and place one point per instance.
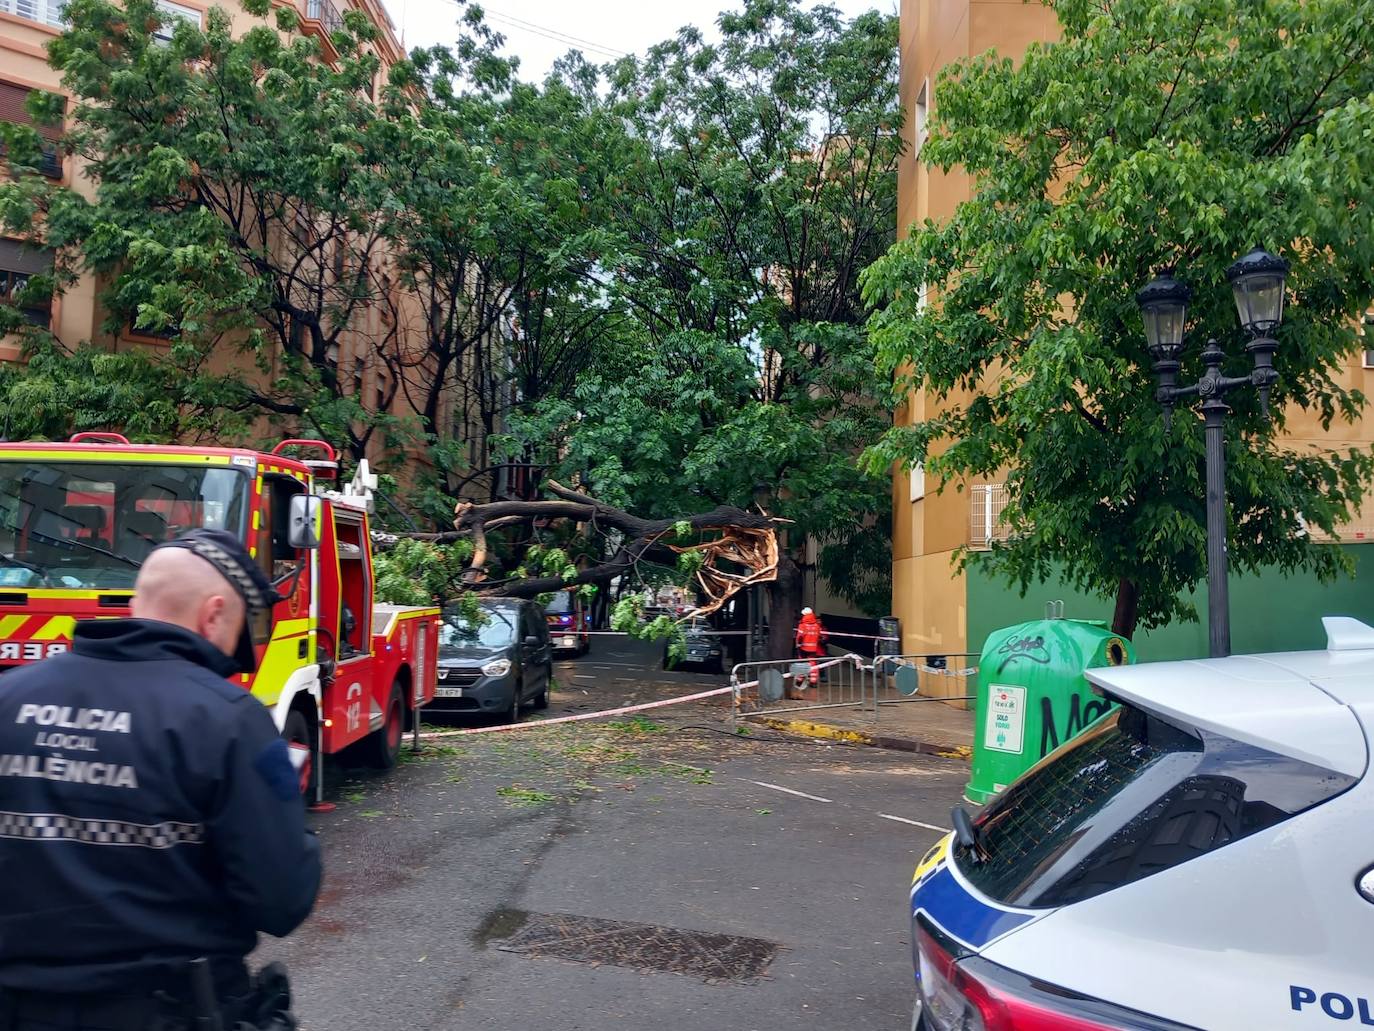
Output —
(225, 563)
(56, 827)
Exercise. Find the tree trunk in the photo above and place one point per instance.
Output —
(784, 608)
(1127, 597)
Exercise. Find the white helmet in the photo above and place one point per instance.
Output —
(807, 612)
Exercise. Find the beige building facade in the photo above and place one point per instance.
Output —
(944, 610)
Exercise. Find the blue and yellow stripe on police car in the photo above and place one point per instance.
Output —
(930, 862)
(940, 892)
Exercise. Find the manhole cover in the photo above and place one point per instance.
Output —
(586, 939)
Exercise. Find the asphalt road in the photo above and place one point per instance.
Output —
(655, 824)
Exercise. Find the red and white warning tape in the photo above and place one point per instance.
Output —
(558, 631)
(537, 724)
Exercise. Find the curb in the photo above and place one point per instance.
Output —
(830, 732)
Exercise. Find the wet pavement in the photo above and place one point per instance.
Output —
(618, 874)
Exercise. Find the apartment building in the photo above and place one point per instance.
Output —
(945, 610)
(76, 316)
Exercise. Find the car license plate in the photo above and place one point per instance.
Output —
(448, 692)
(569, 642)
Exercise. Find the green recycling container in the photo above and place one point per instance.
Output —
(1032, 695)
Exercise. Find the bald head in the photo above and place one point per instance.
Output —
(177, 586)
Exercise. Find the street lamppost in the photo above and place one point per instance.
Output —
(1257, 281)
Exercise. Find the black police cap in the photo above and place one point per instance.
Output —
(227, 554)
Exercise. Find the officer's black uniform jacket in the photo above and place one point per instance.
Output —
(149, 814)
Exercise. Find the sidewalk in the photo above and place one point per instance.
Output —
(929, 726)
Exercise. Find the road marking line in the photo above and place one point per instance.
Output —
(915, 823)
(799, 794)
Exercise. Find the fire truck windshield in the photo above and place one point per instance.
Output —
(91, 524)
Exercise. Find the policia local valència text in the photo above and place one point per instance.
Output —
(90, 723)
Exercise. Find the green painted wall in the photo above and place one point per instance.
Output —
(1269, 612)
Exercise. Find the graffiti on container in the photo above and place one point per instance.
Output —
(1080, 715)
(1023, 649)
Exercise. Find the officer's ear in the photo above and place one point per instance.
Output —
(220, 619)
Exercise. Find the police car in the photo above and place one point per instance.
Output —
(1200, 857)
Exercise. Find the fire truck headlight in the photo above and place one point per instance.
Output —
(497, 668)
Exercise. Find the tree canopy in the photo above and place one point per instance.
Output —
(758, 179)
(1152, 134)
(641, 278)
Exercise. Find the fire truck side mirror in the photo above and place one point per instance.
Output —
(302, 531)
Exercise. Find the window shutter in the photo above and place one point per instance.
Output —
(18, 257)
(12, 100)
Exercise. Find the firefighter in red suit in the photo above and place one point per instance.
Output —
(811, 638)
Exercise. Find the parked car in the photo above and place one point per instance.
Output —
(569, 620)
(494, 665)
(1200, 857)
(703, 648)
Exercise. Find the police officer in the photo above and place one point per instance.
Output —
(150, 815)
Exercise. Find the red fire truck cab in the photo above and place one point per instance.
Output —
(340, 672)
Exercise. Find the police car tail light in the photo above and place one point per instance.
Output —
(971, 994)
(945, 1003)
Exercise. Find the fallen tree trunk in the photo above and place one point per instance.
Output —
(746, 539)
(742, 552)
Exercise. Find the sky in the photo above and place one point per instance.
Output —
(541, 31)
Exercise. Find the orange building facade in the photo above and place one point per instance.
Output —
(945, 610)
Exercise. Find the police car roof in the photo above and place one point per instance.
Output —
(1292, 703)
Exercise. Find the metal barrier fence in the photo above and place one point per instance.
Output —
(851, 682)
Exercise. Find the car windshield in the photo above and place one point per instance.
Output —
(91, 524)
(495, 630)
(1129, 797)
(560, 604)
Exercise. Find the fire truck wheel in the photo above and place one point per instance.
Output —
(297, 732)
(382, 747)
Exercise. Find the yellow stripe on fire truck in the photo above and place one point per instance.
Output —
(281, 659)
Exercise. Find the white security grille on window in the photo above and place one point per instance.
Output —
(987, 502)
(46, 12)
(178, 12)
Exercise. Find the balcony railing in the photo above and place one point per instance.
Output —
(45, 12)
(321, 11)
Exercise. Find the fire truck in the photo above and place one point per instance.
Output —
(341, 674)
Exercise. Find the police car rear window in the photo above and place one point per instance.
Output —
(1130, 797)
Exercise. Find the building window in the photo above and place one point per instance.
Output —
(174, 13)
(168, 332)
(13, 108)
(921, 116)
(45, 12)
(987, 505)
(917, 478)
(1365, 331)
(19, 264)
